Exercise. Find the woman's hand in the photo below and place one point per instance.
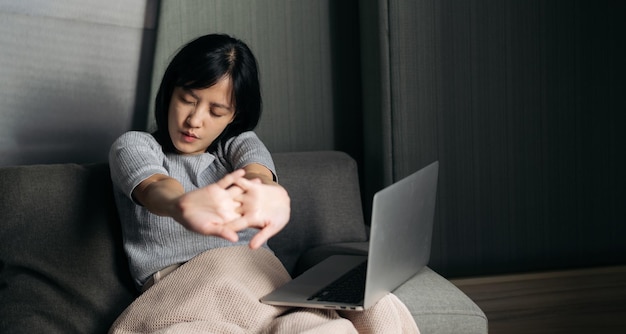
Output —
(207, 210)
(263, 206)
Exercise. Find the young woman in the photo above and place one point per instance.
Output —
(184, 189)
(198, 201)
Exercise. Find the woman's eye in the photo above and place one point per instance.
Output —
(185, 100)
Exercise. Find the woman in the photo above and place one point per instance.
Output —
(180, 190)
(198, 190)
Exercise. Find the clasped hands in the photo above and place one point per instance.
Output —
(235, 203)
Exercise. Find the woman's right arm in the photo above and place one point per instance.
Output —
(203, 210)
(159, 193)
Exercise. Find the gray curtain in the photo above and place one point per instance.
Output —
(69, 74)
(518, 100)
(292, 42)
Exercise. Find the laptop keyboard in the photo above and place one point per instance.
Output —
(349, 288)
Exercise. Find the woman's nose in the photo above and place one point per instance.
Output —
(194, 120)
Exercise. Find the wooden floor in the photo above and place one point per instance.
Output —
(576, 301)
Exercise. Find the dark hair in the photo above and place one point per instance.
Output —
(202, 63)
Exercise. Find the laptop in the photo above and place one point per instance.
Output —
(399, 247)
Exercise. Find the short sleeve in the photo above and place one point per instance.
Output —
(246, 149)
(134, 157)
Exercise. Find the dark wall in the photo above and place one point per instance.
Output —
(521, 102)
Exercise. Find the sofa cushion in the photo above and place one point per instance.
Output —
(62, 269)
(325, 202)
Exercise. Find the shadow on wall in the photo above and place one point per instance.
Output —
(70, 82)
(59, 122)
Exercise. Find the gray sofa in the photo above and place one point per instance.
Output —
(63, 270)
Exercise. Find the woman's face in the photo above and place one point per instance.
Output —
(196, 117)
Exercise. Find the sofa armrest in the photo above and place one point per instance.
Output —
(440, 307)
(325, 203)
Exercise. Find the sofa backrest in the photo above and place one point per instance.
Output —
(62, 267)
(325, 202)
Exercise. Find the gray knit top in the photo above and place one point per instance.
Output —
(152, 242)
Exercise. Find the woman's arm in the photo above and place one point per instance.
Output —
(204, 210)
(158, 194)
(258, 171)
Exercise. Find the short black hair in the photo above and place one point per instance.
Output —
(200, 64)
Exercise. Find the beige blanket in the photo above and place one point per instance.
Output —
(219, 291)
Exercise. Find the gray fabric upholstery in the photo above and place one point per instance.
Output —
(440, 307)
(63, 270)
(325, 202)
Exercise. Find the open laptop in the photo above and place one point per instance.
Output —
(399, 247)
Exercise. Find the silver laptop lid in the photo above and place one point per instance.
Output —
(400, 239)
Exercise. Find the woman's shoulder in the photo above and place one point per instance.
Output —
(244, 149)
(136, 138)
(249, 137)
(133, 136)
(133, 144)
(245, 141)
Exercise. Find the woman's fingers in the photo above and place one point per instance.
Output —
(231, 178)
(265, 232)
(226, 233)
(262, 236)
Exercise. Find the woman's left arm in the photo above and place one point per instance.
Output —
(258, 171)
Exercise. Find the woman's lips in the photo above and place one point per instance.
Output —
(189, 137)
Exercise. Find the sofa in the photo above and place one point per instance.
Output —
(63, 269)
